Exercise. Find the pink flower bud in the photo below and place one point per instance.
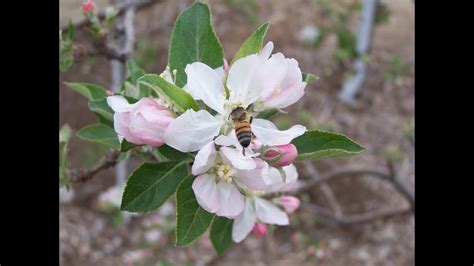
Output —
(281, 155)
(109, 93)
(88, 6)
(140, 123)
(289, 203)
(260, 230)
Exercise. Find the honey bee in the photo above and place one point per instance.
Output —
(242, 120)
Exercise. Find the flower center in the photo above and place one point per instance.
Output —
(225, 172)
(255, 193)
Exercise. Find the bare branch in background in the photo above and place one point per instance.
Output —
(364, 39)
(325, 188)
(121, 7)
(345, 219)
(82, 175)
(349, 219)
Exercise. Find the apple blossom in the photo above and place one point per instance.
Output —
(244, 80)
(257, 210)
(289, 203)
(260, 230)
(88, 6)
(220, 174)
(281, 155)
(143, 122)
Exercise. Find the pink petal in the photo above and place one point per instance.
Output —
(237, 159)
(204, 159)
(255, 178)
(207, 195)
(230, 199)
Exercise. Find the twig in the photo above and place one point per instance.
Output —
(137, 4)
(83, 175)
(401, 185)
(325, 188)
(349, 219)
(341, 172)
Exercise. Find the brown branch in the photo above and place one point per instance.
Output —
(82, 175)
(137, 4)
(325, 188)
(366, 217)
(401, 185)
(341, 172)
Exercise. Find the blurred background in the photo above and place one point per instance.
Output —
(362, 215)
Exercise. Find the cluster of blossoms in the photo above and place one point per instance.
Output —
(231, 180)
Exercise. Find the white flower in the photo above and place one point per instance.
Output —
(248, 78)
(220, 174)
(256, 209)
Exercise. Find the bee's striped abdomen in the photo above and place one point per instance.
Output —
(243, 133)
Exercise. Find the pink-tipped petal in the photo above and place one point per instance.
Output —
(207, 195)
(230, 199)
(204, 159)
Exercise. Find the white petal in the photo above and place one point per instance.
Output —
(227, 140)
(268, 133)
(204, 159)
(273, 72)
(268, 213)
(237, 159)
(254, 179)
(231, 201)
(119, 104)
(266, 51)
(204, 83)
(244, 223)
(221, 73)
(207, 195)
(275, 179)
(241, 74)
(192, 130)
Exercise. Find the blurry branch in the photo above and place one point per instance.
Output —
(126, 42)
(364, 38)
(348, 219)
(83, 175)
(325, 188)
(336, 214)
(137, 5)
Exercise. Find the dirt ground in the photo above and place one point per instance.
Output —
(383, 118)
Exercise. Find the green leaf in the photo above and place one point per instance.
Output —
(71, 30)
(221, 234)
(193, 40)
(253, 44)
(125, 145)
(110, 16)
(174, 95)
(191, 219)
(101, 134)
(150, 185)
(267, 113)
(64, 137)
(134, 71)
(102, 108)
(172, 154)
(65, 133)
(66, 53)
(308, 77)
(316, 145)
(90, 91)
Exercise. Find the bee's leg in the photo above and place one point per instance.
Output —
(243, 151)
(251, 119)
